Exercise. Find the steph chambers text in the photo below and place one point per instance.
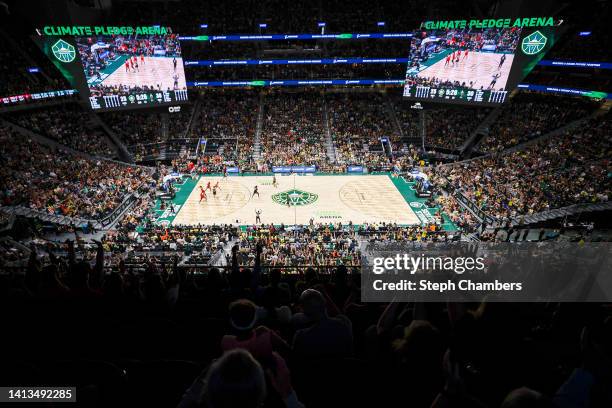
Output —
(425, 285)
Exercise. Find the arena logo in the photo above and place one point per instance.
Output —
(63, 51)
(174, 109)
(328, 215)
(295, 197)
(533, 43)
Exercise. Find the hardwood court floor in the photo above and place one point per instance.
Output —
(155, 71)
(360, 199)
(478, 67)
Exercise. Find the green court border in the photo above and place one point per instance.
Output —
(404, 187)
(108, 70)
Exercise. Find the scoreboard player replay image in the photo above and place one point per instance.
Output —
(119, 67)
(480, 62)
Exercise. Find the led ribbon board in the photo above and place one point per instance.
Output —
(277, 37)
(211, 63)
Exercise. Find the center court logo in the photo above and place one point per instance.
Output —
(295, 197)
(63, 51)
(533, 43)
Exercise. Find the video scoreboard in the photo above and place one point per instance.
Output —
(452, 94)
(475, 61)
(454, 61)
(117, 68)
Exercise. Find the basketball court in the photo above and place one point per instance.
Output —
(478, 67)
(298, 199)
(155, 71)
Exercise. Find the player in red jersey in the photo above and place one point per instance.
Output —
(202, 194)
(142, 59)
(207, 186)
(127, 66)
(447, 60)
(465, 54)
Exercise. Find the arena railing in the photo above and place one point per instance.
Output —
(468, 203)
(45, 216)
(127, 202)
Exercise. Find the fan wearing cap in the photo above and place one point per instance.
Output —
(260, 341)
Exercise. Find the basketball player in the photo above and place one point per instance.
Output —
(465, 54)
(202, 194)
(136, 64)
(494, 80)
(174, 63)
(257, 216)
(255, 191)
(448, 57)
(458, 56)
(176, 77)
(142, 59)
(274, 182)
(217, 185)
(501, 61)
(214, 191)
(127, 65)
(207, 186)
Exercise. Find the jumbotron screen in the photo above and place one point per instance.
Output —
(119, 67)
(475, 62)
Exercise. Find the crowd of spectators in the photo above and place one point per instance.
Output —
(57, 182)
(358, 121)
(317, 245)
(450, 127)
(223, 335)
(556, 172)
(67, 124)
(226, 119)
(178, 122)
(135, 127)
(293, 131)
(529, 115)
(445, 127)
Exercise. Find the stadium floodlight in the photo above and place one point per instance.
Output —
(584, 33)
(380, 24)
(321, 24)
(263, 25)
(203, 25)
(33, 70)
